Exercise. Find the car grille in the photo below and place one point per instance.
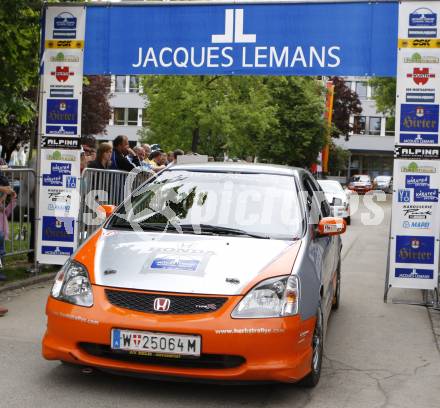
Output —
(204, 361)
(179, 305)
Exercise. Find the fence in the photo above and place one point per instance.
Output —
(19, 213)
(104, 187)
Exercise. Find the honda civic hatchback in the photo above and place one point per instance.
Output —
(210, 272)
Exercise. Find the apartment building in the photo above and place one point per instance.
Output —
(128, 105)
(371, 144)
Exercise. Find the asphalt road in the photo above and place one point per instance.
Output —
(376, 355)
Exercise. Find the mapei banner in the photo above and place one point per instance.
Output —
(60, 131)
(414, 256)
(242, 39)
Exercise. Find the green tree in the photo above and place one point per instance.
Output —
(299, 134)
(207, 114)
(19, 36)
(384, 93)
(338, 159)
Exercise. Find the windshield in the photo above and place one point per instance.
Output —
(259, 205)
(364, 179)
(331, 186)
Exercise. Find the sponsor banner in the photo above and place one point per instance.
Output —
(422, 153)
(417, 212)
(64, 44)
(62, 130)
(63, 80)
(56, 250)
(58, 229)
(240, 39)
(414, 273)
(62, 111)
(420, 57)
(418, 43)
(60, 142)
(419, 20)
(59, 193)
(419, 118)
(418, 138)
(415, 222)
(415, 249)
(417, 81)
(65, 23)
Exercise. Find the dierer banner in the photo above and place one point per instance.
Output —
(414, 249)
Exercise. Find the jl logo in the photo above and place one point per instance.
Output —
(234, 29)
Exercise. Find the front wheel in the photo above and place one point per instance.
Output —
(312, 379)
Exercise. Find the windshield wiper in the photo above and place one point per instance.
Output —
(219, 230)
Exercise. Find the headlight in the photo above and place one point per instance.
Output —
(275, 297)
(72, 285)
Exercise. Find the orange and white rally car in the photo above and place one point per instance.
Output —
(207, 272)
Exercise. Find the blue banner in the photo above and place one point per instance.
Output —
(62, 111)
(242, 39)
(416, 250)
(419, 118)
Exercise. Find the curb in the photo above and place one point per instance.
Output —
(27, 282)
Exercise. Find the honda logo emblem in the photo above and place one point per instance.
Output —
(161, 304)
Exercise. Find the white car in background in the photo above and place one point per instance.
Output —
(384, 183)
(337, 198)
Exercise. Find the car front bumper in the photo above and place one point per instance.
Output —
(274, 349)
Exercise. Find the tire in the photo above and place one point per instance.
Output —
(337, 295)
(312, 379)
(348, 220)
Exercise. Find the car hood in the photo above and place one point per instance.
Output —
(184, 263)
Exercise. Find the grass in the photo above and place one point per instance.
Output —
(16, 271)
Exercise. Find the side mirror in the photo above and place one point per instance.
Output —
(331, 226)
(107, 209)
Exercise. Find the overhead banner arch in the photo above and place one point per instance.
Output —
(340, 38)
(304, 38)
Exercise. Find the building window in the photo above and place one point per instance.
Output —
(132, 116)
(361, 90)
(125, 116)
(359, 125)
(120, 83)
(119, 114)
(134, 84)
(374, 126)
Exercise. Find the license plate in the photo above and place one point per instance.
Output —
(180, 344)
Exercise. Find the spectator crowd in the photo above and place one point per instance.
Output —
(120, 156)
